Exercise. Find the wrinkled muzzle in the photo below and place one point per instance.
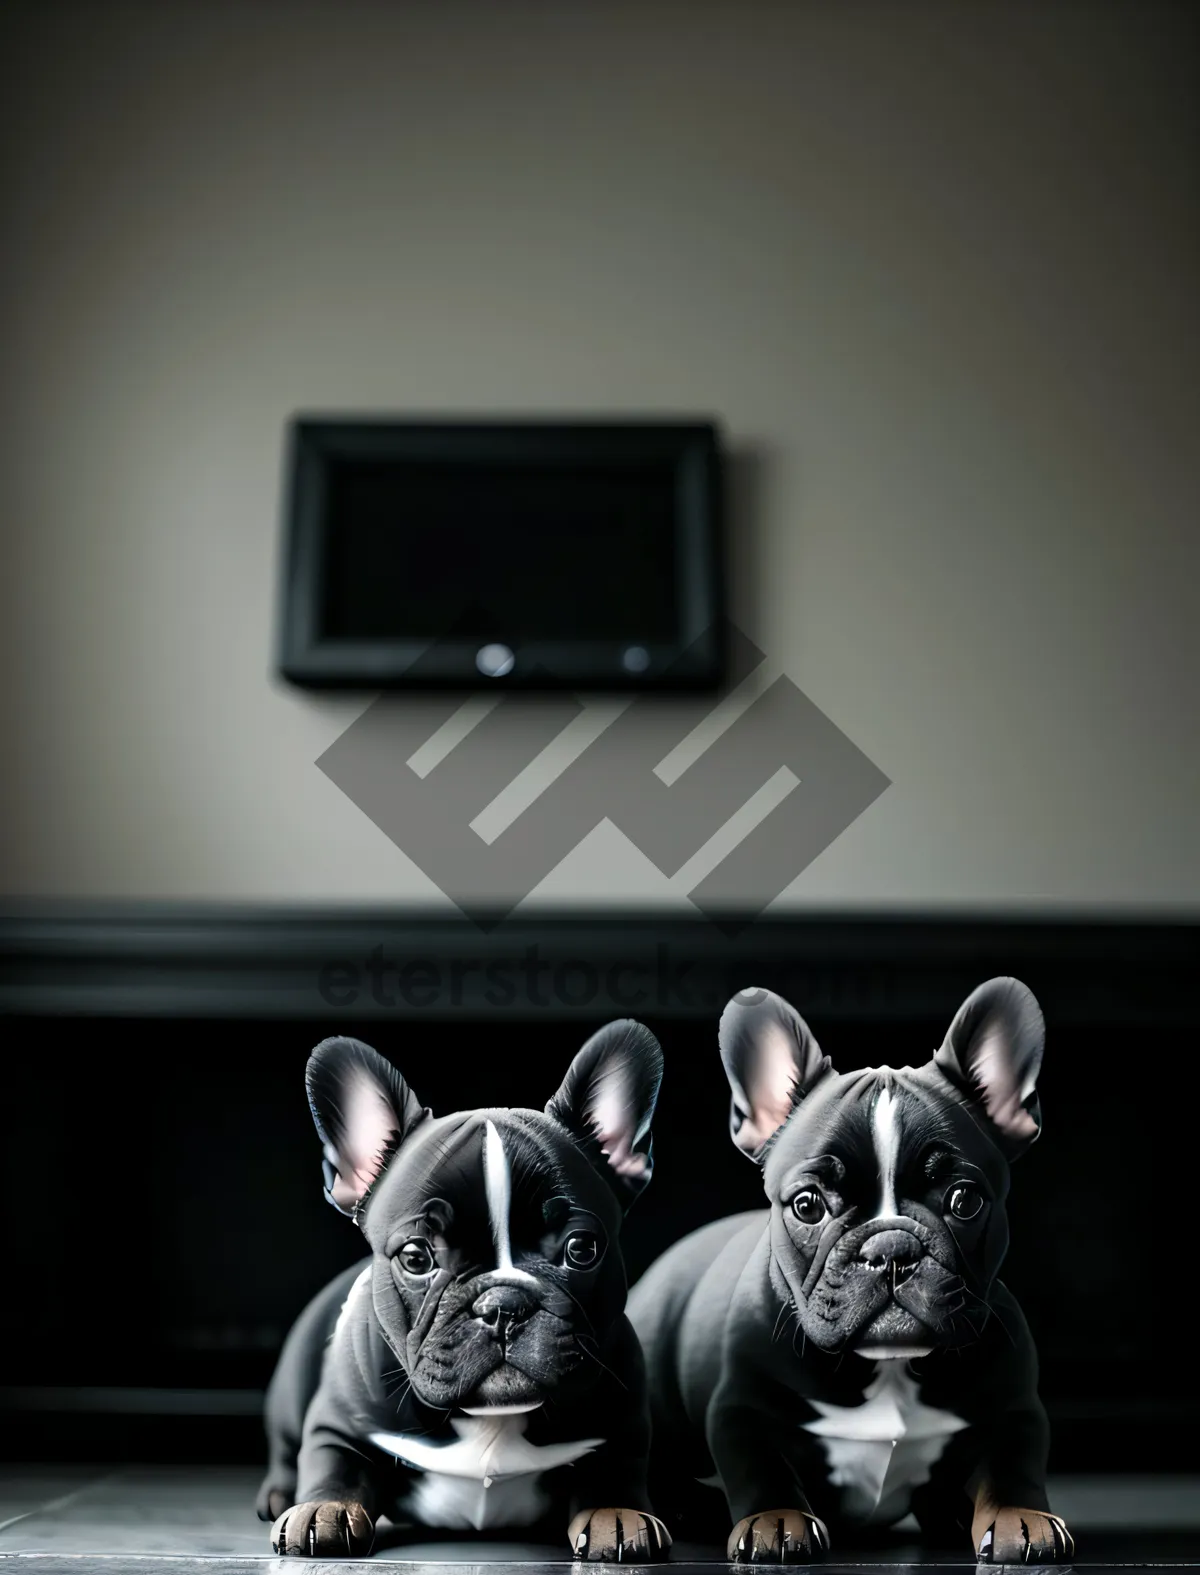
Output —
(493, 1340)
(885, 1282)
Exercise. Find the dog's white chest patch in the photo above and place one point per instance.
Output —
(489, 1476)
(879, 1451)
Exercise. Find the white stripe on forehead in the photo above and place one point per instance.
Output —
(497, 1182)
(885, 1130)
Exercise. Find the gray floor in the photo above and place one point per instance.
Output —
(86, 1521)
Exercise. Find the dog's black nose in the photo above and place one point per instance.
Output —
(503, 1307)
(897, 1250)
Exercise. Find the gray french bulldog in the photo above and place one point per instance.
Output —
(848, 1356)
(478, 1371)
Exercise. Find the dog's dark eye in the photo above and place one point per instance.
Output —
(809, 1206)
(965, 1201)
(582, 1250)
(416, 1257)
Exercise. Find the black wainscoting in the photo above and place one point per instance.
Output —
(164, 1218)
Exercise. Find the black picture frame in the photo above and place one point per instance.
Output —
(694, 660)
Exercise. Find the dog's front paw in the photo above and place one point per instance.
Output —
(618, 1536)
(1024, 1536)
(328, 1529)
(778, 1536)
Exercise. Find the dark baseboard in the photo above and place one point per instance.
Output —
(194, 961)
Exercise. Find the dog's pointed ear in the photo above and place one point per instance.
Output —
(993, 1052)
(363, 1110)
(607, 1102)
(772, 1060)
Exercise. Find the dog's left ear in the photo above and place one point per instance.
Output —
(993, 1050)
(363, 1110)
(607, 1101)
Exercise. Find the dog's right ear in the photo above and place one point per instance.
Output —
(771, 1060)
(363, 1110)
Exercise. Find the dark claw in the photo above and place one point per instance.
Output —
(1062, 1537)
(987, 1542)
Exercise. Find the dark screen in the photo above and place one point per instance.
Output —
(501, 552)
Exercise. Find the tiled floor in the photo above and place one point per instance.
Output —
(200, 1521)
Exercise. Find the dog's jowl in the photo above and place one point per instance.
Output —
(478, 1371)
(848, 1356)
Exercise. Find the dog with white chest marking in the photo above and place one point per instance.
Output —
(848, 1356)
(478, 1371)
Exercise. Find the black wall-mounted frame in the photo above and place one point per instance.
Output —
(684, 454)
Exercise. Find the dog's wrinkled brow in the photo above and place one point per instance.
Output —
(556, 1210)
(438, 1213)
(449, 1173)
(937, 1162)
(531, 1155)
(455, 1165)
(827, 1167)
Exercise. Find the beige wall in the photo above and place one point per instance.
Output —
(935, 264)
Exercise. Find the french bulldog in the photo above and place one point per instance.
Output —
(848, 1356)
(478, 1371)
